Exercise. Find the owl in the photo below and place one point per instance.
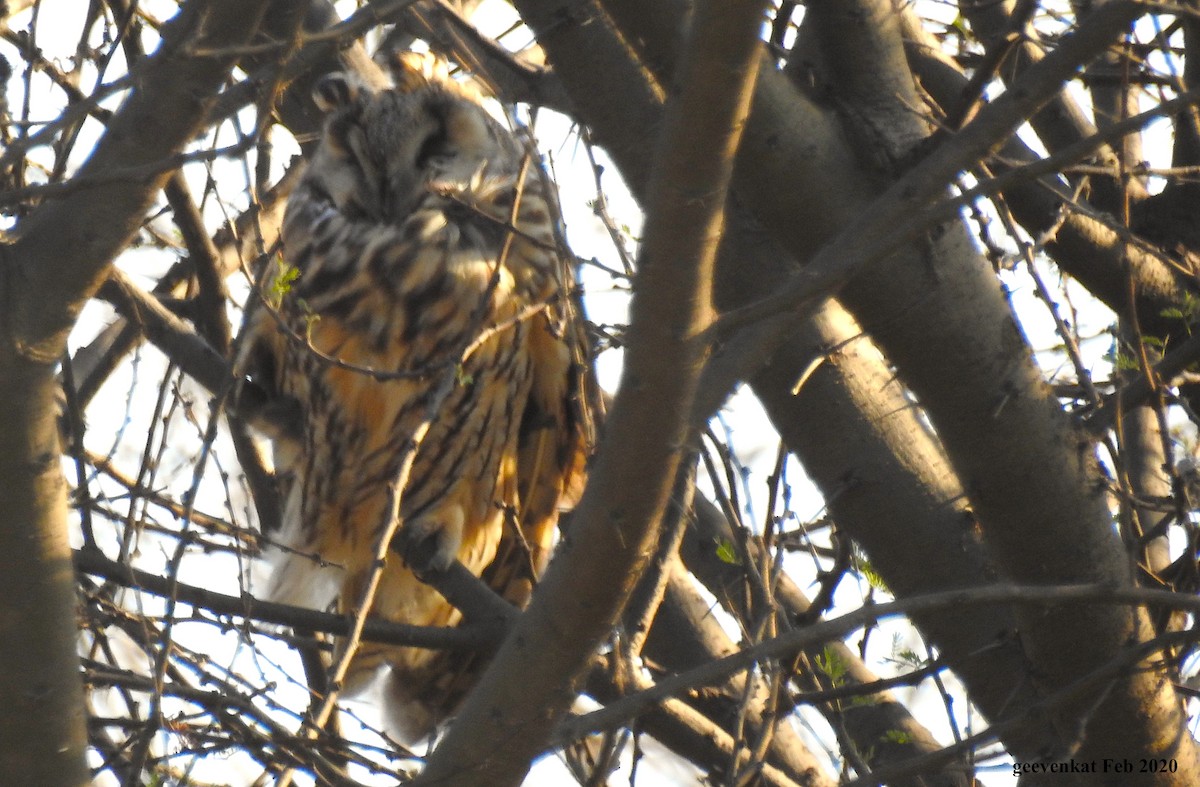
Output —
(422, 242)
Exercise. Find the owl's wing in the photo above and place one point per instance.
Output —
(558, 428)
(261, 395)
(556, 437)
(256, 396)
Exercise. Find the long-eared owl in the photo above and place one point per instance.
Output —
(421, 239)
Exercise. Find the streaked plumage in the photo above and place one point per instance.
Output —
(395, 232)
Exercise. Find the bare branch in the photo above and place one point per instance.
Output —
(65, 246)
(839, 627)
(250, 608)
(61, 255)
(506, 719)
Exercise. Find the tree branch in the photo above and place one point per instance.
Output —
(66, 245)
(851, 424)
(61, 255)
(1098, 256)
(838, 628)
(249, 608)
(507, 718)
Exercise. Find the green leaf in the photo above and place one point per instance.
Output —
(281, 285)
(727, 553)
(1124, 363)
(830, 662)
(863, 700)
(863, 566)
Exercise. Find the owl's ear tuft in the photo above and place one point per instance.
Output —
(412, 71)
(336, 90)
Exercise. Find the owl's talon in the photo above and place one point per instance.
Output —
(426, 546)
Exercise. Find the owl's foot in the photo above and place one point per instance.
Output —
(428, 545)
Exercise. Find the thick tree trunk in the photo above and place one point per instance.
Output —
(42, 732)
